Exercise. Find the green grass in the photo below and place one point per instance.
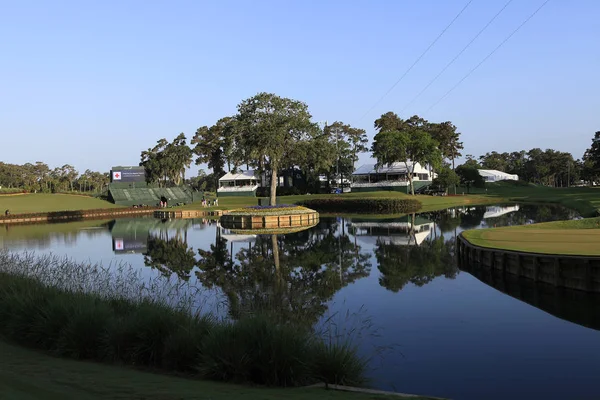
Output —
(430, 203)
(82, 312)
(31, 375)
(585, 200)
(581, 237)
(42, 202)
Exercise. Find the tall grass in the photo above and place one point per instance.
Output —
(111, 315)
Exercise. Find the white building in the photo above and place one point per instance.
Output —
(241, 183)
(492, 175)
(390, 177)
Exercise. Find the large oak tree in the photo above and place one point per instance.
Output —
(406, 141)
(273, 127)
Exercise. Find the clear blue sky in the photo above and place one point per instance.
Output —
(92, 83)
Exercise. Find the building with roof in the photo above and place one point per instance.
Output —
(401, 231)
(492, 175)
(239, 183)
(392, 177)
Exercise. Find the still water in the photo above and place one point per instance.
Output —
(428, 326)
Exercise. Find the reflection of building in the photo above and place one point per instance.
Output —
(131, 235)
(390, 177)
(400, 231)
(234, 237)
(496, 211)
(492, 175)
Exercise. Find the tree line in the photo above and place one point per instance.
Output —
(544, 167)
(39, 177)
(272, 134)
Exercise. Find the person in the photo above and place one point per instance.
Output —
(216, 203)
(7, 212)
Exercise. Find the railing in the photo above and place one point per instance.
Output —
(380, 184)
(246, 188)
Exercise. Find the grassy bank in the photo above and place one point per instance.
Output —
(582, 199)
(585, 200)
(429, 203)
(580, 237)
(87, 312)
(31, 375)
(42, 202)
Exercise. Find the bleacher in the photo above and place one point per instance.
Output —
(148, 196)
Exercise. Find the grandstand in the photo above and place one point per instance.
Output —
(149, 196)
(128, 187)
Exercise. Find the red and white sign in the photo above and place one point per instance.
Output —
(116, 176)
(118, 244)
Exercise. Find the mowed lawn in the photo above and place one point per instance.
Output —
(429, 202)
(29, 375)
(562, 237)
(586, 200)
(43, 202)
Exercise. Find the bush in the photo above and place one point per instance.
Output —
(258, 350)
(105, 327)
(366, 206)
(339, 364)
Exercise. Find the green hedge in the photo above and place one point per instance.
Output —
(150, 334)
(363, 206)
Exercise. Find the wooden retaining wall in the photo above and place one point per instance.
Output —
(186, 214)
(572, 272)
(77, 215)
(269, 221)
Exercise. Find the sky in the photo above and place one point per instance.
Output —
(93, 83)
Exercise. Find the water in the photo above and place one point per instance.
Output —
(429, 327)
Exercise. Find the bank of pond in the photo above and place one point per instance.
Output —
(379, 302)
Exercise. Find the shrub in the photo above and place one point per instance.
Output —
(83, 335)
(339, 364)
(258, 350)
(105, 326)
(366, 206)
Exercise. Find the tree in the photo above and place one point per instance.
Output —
(167, 161)
(495, 160)
(446, 178)
(272, 129)
(591, 159)
(348, 142)
(411, 143)
(447, 137)
(469, 176)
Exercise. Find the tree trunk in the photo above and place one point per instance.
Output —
(273, 200)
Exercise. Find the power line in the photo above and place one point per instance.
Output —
(489, 55)
(417, 60)
(456, 57)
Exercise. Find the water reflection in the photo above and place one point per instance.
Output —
(401, 270)
(582, 308)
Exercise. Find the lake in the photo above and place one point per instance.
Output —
(427, 325)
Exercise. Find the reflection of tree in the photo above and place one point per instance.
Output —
(532, 213)
(447, 220)
(472, 217)
(290, 277)
(418, 265)
(170, 255)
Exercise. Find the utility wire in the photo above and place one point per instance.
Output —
(456, 57)
(418, 59)
(489, 55)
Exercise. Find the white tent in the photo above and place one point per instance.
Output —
(492, 175)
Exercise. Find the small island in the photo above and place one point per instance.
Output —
(270, 217)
